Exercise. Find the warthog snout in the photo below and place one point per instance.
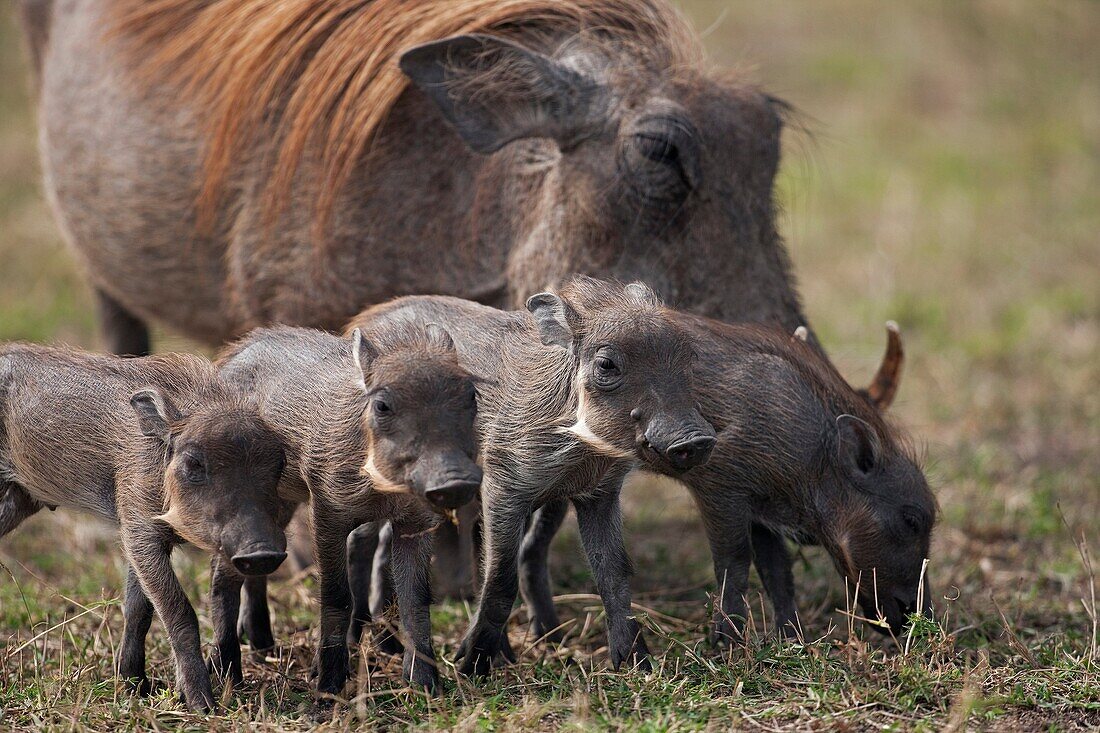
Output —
(447, 480)
(898, 607)
(692, 452)
(262, 562)
(683, 444)
(455, 493)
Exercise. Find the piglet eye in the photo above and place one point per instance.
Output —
(194, 469)
(912, 521)
(381, 407)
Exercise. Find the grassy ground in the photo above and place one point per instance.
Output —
(950, 180)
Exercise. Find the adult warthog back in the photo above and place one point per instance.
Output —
(333, 180)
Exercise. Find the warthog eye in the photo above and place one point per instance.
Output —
(381, 407)
(913, 519)
(661, 159)
(607, 366)
(607, 371)
(658, 148)
(193, 469)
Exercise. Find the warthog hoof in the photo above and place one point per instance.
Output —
(481, 649)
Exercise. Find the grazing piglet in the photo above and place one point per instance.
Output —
(573, 393)
(800, 453)
(378, 428)
(159, 445)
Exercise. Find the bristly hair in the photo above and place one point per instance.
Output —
(322, 75)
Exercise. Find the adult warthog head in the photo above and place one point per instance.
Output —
(629, 164)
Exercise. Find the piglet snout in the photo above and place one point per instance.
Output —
(262, 562)
(691, 452)
(453, 493)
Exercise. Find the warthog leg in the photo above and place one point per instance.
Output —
(137, 614)
(773, 563)
(534, 569)
(149, 553)
(123, 334)
(599, 518)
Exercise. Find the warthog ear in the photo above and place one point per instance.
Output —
(858, 444)
(551, 319)
(495, 91)
(363, 352)
(155, 413)
(439, 337)
(641, 291)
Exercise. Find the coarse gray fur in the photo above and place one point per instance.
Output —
(552, 430)
(355, 464)
(162, 447)
(801, 454)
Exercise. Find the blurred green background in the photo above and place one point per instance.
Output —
(944, 172)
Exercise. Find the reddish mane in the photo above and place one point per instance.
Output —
(320, 76)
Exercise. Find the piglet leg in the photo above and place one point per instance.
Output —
(773, 563)
(137, 613)
(601, 527)
(383, 596)
(731, 552)
(149, 553)
(225, 601)
(412, 557)
(534, 569)
(254, 619)
(486, 640)
(362, 543)
(331, 527)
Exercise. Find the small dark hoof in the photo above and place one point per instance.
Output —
(482, 650)
(140, 686)
(423, 675)
(322, 710)
(386, 642)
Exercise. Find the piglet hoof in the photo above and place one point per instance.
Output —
(355, 633)
(226, 665)
(725, 632)
(789, 630)
(139, 684)
(550, 637)
(480, 650)
(322, 710)
(197, 699)
(628, 645)
(421, 672)
(386, 642)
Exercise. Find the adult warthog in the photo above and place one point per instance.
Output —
(222, 164)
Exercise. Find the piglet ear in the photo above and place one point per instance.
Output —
(439, 337)
(858, 445)
(155, 414)
(642, 292)
(550, 318)
(363, 353)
